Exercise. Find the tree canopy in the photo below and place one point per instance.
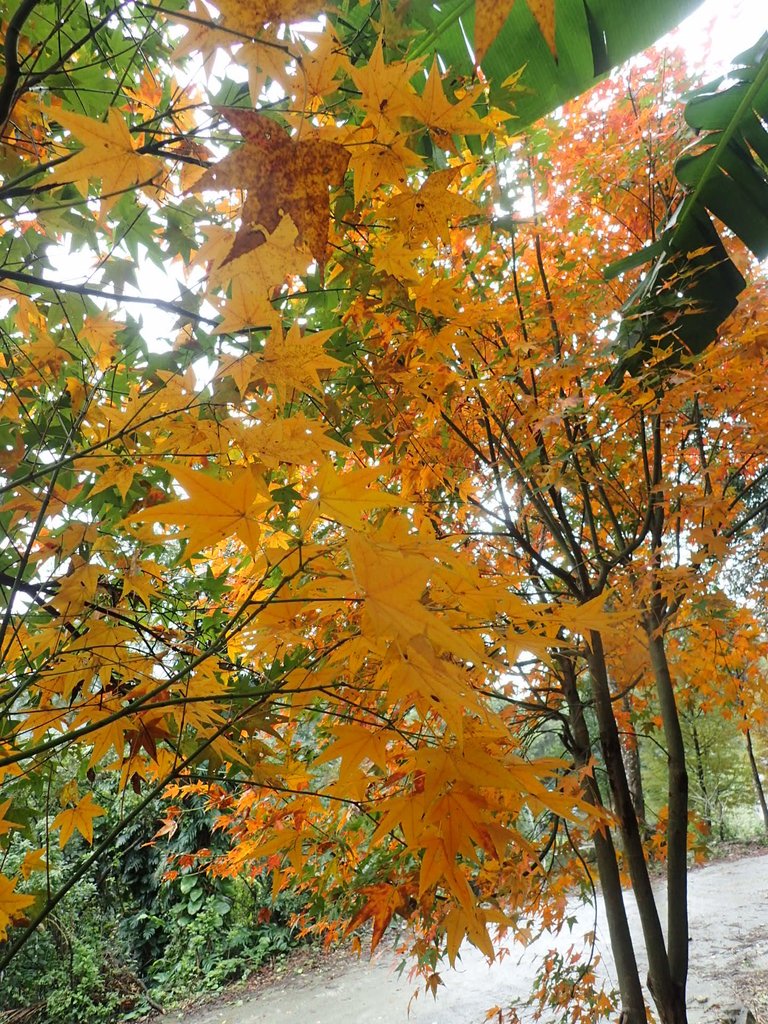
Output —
(336, 489)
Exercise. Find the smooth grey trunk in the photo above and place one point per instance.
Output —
(701, 777)
(630, 988)
(757, 780)
(632, 766)
(677, 826)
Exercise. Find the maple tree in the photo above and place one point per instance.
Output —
(330, 537)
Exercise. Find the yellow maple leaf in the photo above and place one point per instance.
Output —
(426, 215)
(44, 354)
(99, 331)
(386, 89)
(346, 496)
(354, 744)
(147, 96)
(108, 153)
(253, 279)
(76, 589)
(444, 118)
(436, 863)
(395, 258)
(431, 685)
(458, 818)
(108, 736)
(291, 362)
(69, 793)
(309, 77)
(393, 583)
(460, 922)
(11, 903)
(34, 860)
(79, 817)
(215, 508)
(139, 580)
(119, 475)
(266, 59)
(317, 69)
(439, 294)
(201, 35)
(379, 156)
(295, 440)
(490, 16)
(5, 824)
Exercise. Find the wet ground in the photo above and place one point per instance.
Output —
(729, 968)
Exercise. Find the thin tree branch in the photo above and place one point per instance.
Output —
(12, 64)
(98, 293)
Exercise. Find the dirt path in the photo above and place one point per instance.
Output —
(729, 966)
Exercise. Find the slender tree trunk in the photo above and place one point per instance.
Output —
(668, 994)
(632, 764)
(677, 826)
(756, 779)
(630, 988)
(700, 773)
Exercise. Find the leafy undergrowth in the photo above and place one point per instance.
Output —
(736, 849)
(81, 968)
(147, 932)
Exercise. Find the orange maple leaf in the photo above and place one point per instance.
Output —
(382, 902)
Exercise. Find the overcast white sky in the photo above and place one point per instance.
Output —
(724, 28)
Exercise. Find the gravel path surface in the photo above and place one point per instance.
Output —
(729, 967)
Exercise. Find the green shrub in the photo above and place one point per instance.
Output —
(124, 936)
(220, 930)
(74, 966)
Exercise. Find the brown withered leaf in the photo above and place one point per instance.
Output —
(281, 175)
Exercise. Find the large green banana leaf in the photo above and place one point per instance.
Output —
(591, 36)
(693, 285)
